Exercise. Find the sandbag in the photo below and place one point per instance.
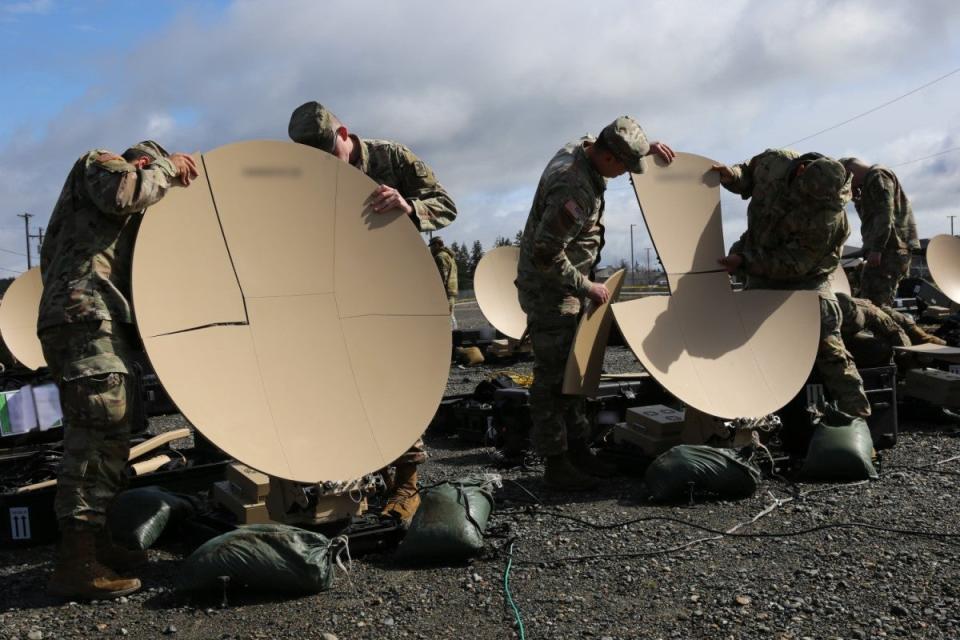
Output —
(138, 517)
(263, 557)
(469, 356)
(449, 525)
(841, 449)
(704, 470)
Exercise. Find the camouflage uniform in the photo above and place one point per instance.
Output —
(387, 163)
(885, 324)
(559, 251)
(85, 322)
(888, 228)
(447, 266)
(793, 240)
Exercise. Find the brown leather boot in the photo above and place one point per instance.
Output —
(919, 336)
(404, 498)
(78, 574)
(561, 474)
(587, 461)
(116, 557)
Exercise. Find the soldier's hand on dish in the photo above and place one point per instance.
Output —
(873, 259)
(598, 293)
(186, 167)
(726, 175)
(731, 262)
(663, 151)
(386, 198)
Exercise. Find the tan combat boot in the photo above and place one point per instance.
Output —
(405, 496)
(919, 336)
(561, 474)
(116, 557)
(78, 574)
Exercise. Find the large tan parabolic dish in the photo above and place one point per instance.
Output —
(943, 260)
(727, 354)
(585, 362)
(303, 334)
(18, 319)
(681, 206)
(493, 284)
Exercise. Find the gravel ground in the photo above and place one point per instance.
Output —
(832, 583)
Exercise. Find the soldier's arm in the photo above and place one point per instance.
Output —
(563, 219)
(433, 208)
(877, 213)
(738, 179)
(118, 188)
(443, 267)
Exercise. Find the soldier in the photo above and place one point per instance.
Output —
(887, 226)
(86, 328)
(406, 183)
(447, 265)
(559, 251)
(796, 227)
(888, 325)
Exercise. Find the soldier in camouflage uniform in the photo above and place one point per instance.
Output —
(888, 228)
(86, 329)
(406, 183)
(559, 251)
(447, 266)
(891, 327)
(796, 227)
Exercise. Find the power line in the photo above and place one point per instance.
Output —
(877, 108)
(16, 253)
(932, 155)
(11, 270)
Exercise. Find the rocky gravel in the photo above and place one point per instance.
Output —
(835, 582)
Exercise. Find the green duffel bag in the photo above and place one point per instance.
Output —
(449, 525)
(841, 450)
(138, 517)
(700, 470)
(264, 557)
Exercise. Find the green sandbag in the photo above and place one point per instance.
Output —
(841, 450)
(263, 557)
(705, 470)
(138, 517)
(449, 525)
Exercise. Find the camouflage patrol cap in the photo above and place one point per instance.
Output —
(149, 148)
(312, 124)
(627, 141)
(824, 180)
(436, 240)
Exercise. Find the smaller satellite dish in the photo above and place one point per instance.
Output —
(943, 259)
(19, 312)
(493, 284)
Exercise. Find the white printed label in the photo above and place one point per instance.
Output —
(20, 523)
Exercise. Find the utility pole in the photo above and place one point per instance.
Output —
(39, 238)
(648, 261)
(633, 263)
(951, 223)
(26, 224)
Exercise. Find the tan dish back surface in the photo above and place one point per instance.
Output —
(312, 340)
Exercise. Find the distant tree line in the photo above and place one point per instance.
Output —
(468, 259)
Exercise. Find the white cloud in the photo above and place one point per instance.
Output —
(486, 93)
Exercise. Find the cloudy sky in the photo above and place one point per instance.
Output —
(485, 92)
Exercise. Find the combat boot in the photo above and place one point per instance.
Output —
(404, 498)
(116, 557)
(561, 474)
(587, 461)
(78, 574)
(919, 336)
